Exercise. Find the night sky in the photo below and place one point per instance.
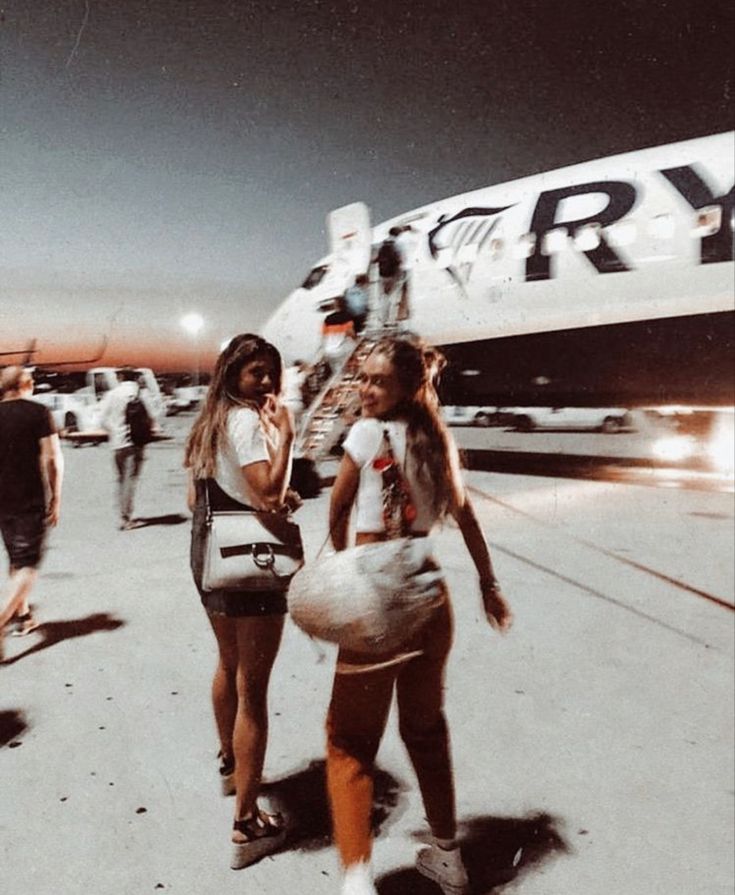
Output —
(161, 157)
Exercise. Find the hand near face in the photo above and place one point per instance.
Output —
(279, 416)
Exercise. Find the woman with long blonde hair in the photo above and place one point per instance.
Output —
(401, 472)
(239, 454)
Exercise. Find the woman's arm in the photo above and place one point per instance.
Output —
(343, 496)
(268, 481)
(190, 490)
(497, 610)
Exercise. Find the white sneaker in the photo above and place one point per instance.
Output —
(358, 880)
(444, 867)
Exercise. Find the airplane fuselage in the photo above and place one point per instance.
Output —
(606, 278)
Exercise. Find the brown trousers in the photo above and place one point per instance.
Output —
(357, 717)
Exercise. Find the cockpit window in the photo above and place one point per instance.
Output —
(315, 277)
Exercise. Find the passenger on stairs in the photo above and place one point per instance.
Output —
(338, 334)
(357, 301)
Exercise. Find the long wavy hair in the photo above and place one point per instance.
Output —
(431, 451)
(210, 427)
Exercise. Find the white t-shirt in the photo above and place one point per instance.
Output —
(247, 442)
(363, 444)
(112, 412)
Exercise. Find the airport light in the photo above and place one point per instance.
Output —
(193, 324)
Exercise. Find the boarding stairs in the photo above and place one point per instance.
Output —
(336, 406)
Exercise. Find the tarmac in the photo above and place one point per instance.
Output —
(593, 744)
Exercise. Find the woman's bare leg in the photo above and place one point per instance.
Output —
(258, 640)
(224, 683)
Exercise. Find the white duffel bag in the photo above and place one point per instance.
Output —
(371, 598)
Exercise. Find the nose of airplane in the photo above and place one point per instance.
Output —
(295, 329)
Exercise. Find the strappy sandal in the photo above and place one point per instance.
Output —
(23, 624)
(255, 837)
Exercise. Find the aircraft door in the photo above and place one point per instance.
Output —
(350, 237)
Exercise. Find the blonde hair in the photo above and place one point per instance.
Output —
(13, 378)
(211, 425)
(432, 451)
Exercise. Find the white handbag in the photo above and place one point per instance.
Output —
(250, 550)
(369, 599)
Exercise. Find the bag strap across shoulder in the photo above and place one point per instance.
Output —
(399, 510)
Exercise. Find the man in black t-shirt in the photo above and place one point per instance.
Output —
(31, 472)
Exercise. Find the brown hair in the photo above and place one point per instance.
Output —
(211, 424)
(431, 449)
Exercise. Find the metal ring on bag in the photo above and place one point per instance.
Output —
(263, 556)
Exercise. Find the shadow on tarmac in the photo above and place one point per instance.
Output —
(302, 797)
(12, 725)
(169, 519)
(496, 851)
(54, 632)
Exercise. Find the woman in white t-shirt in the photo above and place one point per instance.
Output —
(400, 426)
(239, 453)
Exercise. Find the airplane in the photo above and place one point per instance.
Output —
(604, 283)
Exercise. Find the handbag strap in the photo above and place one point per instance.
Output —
(399, 510)
(234, 505)
(405, 508)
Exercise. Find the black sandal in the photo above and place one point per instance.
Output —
(23, 624)
(264, 834)
(226, 774)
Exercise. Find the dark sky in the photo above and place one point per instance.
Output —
(165, 155)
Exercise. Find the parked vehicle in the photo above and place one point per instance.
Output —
(473, 415)
(71, 411)
(574, 419)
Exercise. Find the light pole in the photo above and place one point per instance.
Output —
(193, 323)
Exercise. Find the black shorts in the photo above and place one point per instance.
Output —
(232, 604)
(24, 535)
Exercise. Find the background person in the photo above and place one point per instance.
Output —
(390, 269)
(240, 449)
(31, 475)
(338, 334)
(357, 301)
(399, 403)
(128, 456)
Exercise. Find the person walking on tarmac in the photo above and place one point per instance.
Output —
(31, 474)
(400, 438)
(239, 453)
(128, 419)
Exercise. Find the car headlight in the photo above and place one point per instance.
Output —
(721, 448)
(675, 448)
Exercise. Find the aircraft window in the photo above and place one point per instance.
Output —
(587, 238)
(708, 221)
(314, 277)
(662, 226)
(554, 241)
(496, 248)
(525, 246)
(622, 233)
